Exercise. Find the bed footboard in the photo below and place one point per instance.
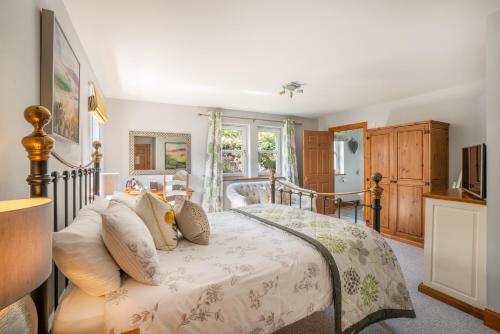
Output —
(283, 190)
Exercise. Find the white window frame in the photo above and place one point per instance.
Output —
(339, 157)
(278, 151)
(244, 148)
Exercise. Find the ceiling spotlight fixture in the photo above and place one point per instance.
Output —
(292, 88)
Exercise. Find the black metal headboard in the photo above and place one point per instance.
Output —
(71, 189)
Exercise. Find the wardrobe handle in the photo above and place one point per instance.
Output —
(394, 181)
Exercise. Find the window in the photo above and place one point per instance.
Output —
(268, 150)
(95, 133)
(257, 159)
(338, 157)
(234, 145)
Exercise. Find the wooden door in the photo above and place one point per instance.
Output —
(142, 156)
(379, 153)
(318, 165)
(412, 172)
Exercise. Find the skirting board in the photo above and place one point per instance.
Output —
(490, 318)
(456, 303)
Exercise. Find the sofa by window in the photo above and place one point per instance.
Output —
(247, 193)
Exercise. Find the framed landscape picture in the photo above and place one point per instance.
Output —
(60, 80)
(175, 155)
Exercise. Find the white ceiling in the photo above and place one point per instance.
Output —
(236, 54)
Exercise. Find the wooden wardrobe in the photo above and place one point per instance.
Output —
(413, 159)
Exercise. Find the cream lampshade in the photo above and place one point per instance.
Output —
(25, 259)
(109, 183)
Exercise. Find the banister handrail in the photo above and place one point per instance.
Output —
(376, 195)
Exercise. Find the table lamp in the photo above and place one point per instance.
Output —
(25, 260)
(109, 183)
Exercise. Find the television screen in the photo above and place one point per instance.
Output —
(474, 170)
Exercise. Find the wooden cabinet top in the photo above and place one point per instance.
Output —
(455, 195)
(434, 123)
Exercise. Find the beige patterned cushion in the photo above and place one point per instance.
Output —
(159, 219)
(81, 255)
(192, 221)
(130, 243)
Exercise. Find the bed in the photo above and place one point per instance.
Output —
(267, 266)
(252, 278)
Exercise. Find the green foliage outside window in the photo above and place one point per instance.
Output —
(231, 139)
(232, 154)
(267, 141)
(267, 146)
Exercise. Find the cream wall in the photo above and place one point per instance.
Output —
(125, 116)
(20, 87)
(462, 107)
(493, 160)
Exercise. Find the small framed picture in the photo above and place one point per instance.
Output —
(175, 155)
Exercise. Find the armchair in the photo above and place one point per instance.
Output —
(247, 193)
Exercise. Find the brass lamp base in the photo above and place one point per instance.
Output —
(19, 318)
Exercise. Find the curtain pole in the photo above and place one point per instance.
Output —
(252, 119)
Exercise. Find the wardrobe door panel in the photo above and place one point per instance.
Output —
(439, 164)
(409, 211)
(412, 146)
(379, 155)
(380, 151)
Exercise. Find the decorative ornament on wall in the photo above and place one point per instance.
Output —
(353, 145)
(292, 88)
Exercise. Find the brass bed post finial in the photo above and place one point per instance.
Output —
(376, 191)
(272, 179)
(97, 157)
(38, 145)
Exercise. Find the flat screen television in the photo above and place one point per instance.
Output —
(474, 170)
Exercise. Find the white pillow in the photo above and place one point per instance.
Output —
(124, 198)
(99, 205)
(130, 243)
(82, 257)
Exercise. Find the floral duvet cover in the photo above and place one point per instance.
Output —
(262, 271)
(368, 285)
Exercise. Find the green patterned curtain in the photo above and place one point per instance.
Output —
(213, 197)
(289, 153)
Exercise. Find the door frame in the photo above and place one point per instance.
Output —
(353, 126)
